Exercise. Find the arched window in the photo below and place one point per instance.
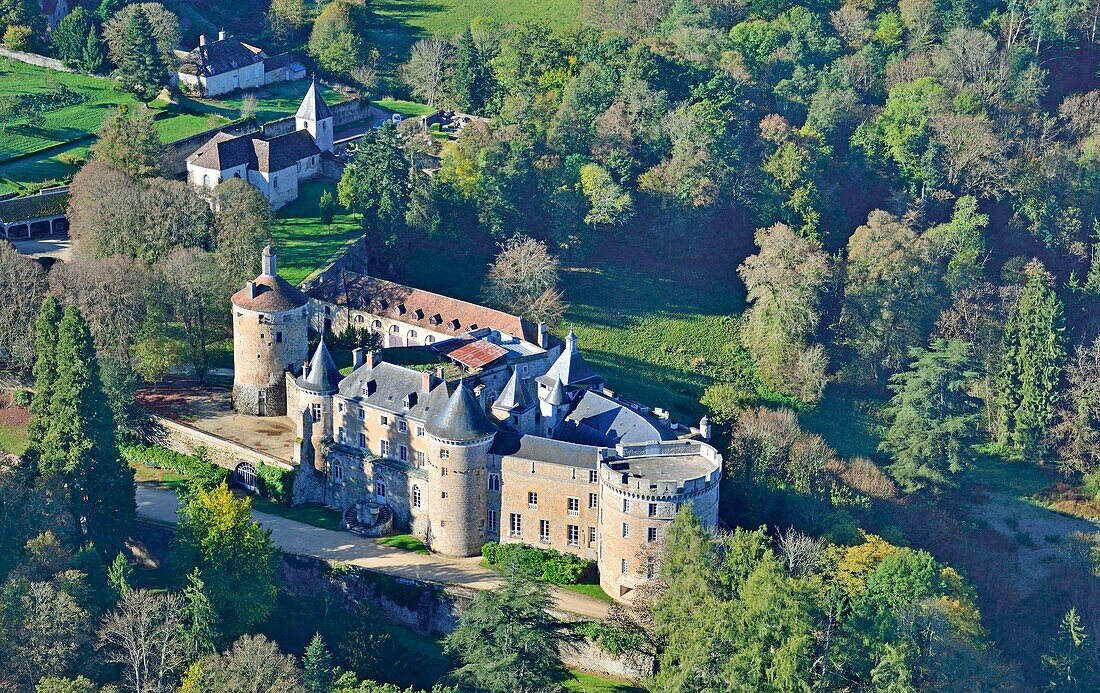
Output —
(429, 339)
(205, 181)
(338, 472)
(377, 324)
(412, 334)
(416, 496)
(380, 487)
(358, 318)
(395, 329)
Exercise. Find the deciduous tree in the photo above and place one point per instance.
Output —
(524, 280)
(242, 224)
(22, 289)
(130, 143)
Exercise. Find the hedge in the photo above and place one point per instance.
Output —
(275, 483)
(552, 566)
(201, 472)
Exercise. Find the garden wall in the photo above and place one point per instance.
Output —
(187, 440)
(34, 59)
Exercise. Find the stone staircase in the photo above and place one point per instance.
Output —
(380, 526)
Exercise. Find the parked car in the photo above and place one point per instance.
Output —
(396, 118)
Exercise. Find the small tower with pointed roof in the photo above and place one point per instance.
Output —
(460, 436)
(319, 381)
(315, 116)
(270, 337)
(514, 406)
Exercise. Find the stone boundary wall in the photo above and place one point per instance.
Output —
(187, 440)
(436, 610)
(34, 59)
(343, 113)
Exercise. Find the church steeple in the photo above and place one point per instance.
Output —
(315, 116)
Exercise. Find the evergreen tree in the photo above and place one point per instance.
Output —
(107, 8)
(932, 416)
(1066, 664)
(1034, 349)
(141, 67)
(45, 375)
(471, 75)
(93, 57)
(200, 621)
(118, 576)
(376, 184)
(80, 448)
(317, 666)
(69, 36)
(507, 640)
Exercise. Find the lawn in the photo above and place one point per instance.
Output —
(408, 109)
(589, 590)
(449, 17)
(13, 439)
(406, 542)
(304, 244)
(316, 516)
(154, 475)
(273, 101)
(583, 682)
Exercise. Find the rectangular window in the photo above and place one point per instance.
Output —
(403, 453)
(419, 458)
(653, 510)
(591, 476)
(419, 431)
(442, 471)
(362, 440)
(574, 506)
(626, 505)
(384, 448)
(402, 426)
(592, 500)
(622, 566)
(493, 521)
(650, 567)
(384, 420)
(626, 530)
(651, 535)
(278, 337)
(592, 535)
(573, 535)
(532, 499)
(362, 413)
(444, 454)
(443, 495)
(494, 482)
(315, 411)
(544, 531)
(515, 525)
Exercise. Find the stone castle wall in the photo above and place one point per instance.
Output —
(187, 440)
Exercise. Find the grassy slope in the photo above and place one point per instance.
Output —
(13, 439)
(303, 242)
(449, 17)
(583, 682)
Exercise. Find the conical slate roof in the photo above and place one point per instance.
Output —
(514, 396)
(556, 395)
(323, 376)
(313, 106)
(462, 418)
(571, 368)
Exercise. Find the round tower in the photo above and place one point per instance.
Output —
(270, 333)
(459, 436)
(319, 381)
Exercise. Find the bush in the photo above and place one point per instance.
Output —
(552, 566)
(612, 639)
(21, 398)
(275, 483)
(1090, 485)
(201, 472)
(18, 37)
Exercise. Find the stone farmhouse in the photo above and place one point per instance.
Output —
(275, 166)
(485, 434)
(219, 67)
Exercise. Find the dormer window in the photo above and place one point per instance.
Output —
(419, 314)
(383, 304)
(474, 326)
(409, 401)
(454, 324)
(400, 308)
(435, 319)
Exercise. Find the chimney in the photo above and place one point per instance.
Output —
(427, 381)
(252, 289)
(305, 369)
(371, 359)
(202, 39)
(358, 357)
(221, 35)
(439, 373)
(544, 336)
(268, 262)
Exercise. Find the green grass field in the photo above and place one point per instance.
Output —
(325, 518)
(13, 439)
(153, 475)
(589, 590)
(405, 108)
(305, 244)
(583, 682)
(449, 17)
(406, 542)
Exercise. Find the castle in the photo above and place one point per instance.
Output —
(493, 430)
(275, 166)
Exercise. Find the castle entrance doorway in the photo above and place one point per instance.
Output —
(261, 404)
(245, 476)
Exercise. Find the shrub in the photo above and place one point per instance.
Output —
(21, 398)
(612, 639)
(546, 564)
(275, 483)
(201, 472)
(18, 37)
(1090, 485)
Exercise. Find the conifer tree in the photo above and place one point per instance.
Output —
(93, 57)
(118, 576)
(80, 448)
(470, 76)
(200, 621)
(1033, 355)
(932, 416)
(69, 36)
(45, 375)
(141, 68)
(317, 666)
(1066, 663)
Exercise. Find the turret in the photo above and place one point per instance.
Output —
(460, 436)
(270, 332)
(319, 381)
(553, 406)
(315, 116)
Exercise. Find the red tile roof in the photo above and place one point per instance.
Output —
(477, 354)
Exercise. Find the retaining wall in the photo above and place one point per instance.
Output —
(34, 59)
(187, 440)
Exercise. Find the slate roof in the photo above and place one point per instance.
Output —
(433, 312)
(282, 60)
(556, 396)
(548, 450)
(30, 207)
(224, 151)
(218, 57)
(272, 294)
(570, 367)
(390, 389)
(514, 396)
(324, 376)
(284, 151)
(313, 106)
(462, 418)
(596, 419)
